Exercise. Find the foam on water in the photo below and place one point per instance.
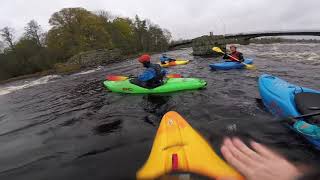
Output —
(88, 72)
(289, 52)
(11, 88)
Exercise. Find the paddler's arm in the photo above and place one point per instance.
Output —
(164, 72)
(241, 57)
(225, 56)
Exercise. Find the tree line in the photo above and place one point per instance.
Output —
(75, 30)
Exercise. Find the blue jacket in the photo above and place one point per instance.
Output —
(150, 73)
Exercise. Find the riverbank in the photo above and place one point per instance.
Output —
(80, 62)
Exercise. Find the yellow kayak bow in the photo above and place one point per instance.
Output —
(177, 147)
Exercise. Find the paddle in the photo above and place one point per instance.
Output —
(291, 119)
(295, 119)
(306, 115)
(122, 78)
(248, 66)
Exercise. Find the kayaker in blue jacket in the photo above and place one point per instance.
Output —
(164, 59)
(152, 77)
(234, 53)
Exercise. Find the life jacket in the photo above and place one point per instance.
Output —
(159, 75)
(235, 54)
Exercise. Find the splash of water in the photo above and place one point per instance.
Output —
(88, 72)
(12, 88)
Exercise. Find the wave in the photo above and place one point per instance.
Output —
(300, 52)
(11, 88)
(88, 72)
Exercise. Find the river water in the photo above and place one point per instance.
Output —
(70, 127)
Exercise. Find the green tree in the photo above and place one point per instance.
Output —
(75, 30)
(150, 37)
(123, 35)
(141, 33)
(24, 49)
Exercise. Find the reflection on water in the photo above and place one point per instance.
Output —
(70, 127)
(156, 106)
(108, 127)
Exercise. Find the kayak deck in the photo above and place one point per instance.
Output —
(227, 65)
(177, 147)
(171, 85)
(278, 97)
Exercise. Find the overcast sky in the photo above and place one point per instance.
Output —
(183, 18)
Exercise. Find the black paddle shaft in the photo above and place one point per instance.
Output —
(307, 115)
(294, 119)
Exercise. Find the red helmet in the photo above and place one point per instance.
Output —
(144, 58)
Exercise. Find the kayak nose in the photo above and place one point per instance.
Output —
(203, 82)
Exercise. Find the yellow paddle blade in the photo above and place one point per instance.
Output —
(250, 67)
(217, 49)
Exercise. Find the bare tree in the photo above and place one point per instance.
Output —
(1, 47)
(167, 35)
(106, 15)
(7, 35)
(34, 32)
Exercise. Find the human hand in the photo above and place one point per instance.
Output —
(258, 164)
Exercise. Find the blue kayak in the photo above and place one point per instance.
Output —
(226, 65)
(285, 100)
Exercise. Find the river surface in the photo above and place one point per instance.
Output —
(70, 127)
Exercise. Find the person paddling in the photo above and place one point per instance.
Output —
(152, 77)
(164, 59)
(234, 53)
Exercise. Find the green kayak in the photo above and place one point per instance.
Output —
(171, 85)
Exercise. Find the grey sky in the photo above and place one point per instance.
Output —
(183, 18)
